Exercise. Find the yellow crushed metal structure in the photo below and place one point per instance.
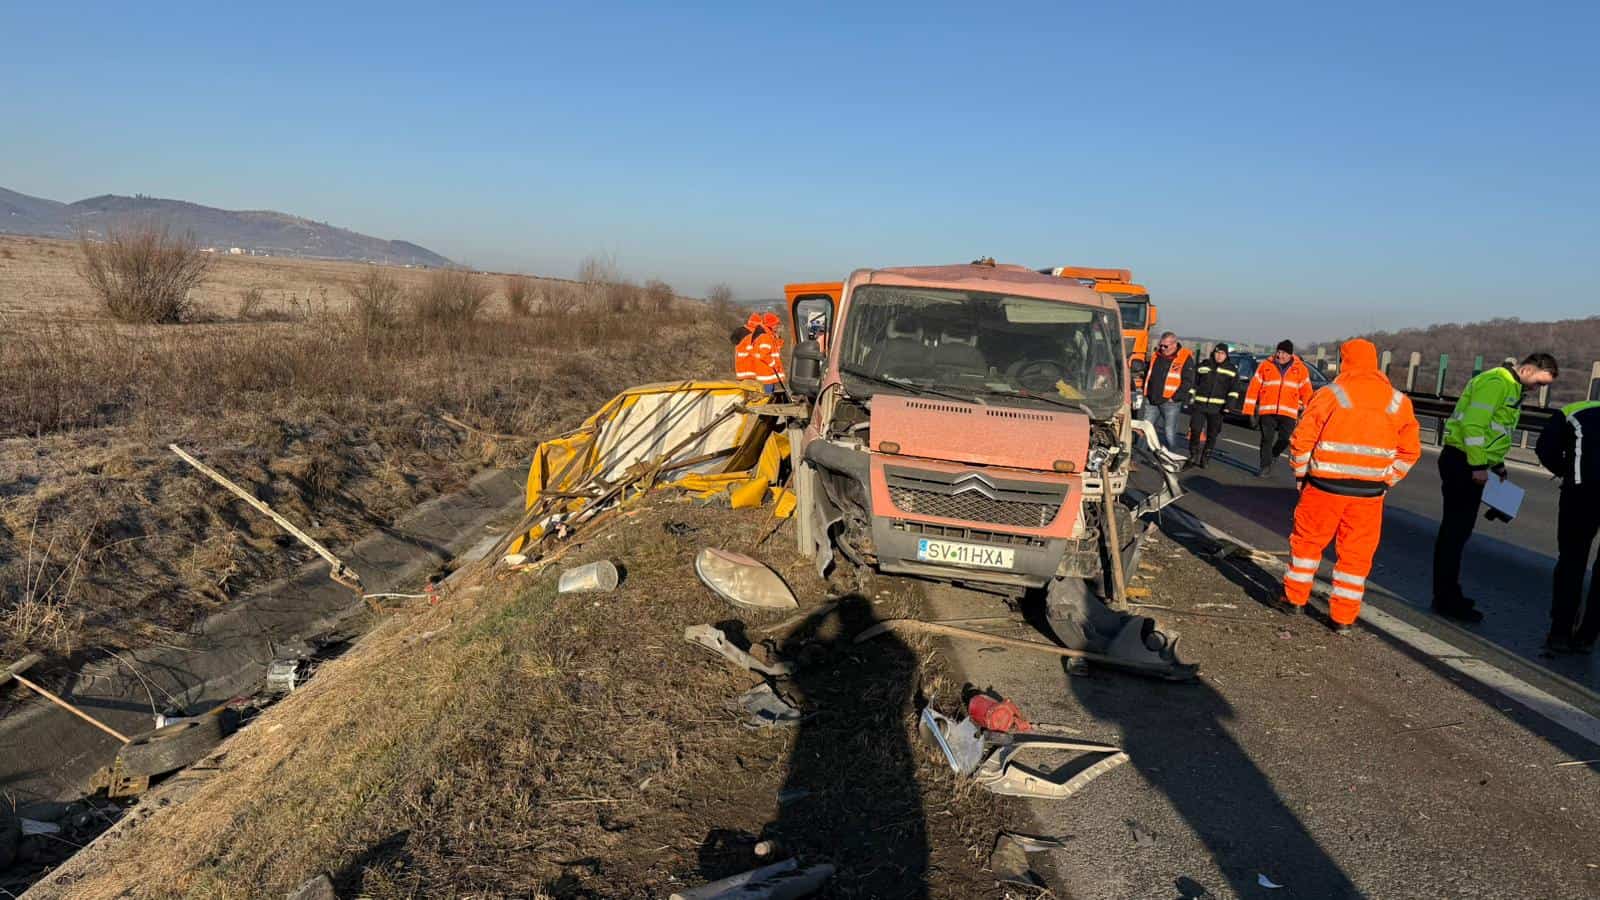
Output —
(694, 437)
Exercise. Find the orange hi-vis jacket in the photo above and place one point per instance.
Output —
(1359, 435)
(1174, 379)
(1278, 392)
(759, 356)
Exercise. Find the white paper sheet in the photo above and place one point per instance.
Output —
(1502, 495)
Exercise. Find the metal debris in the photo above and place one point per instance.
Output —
(712, 638)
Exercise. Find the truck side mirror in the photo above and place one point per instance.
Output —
(805, 376)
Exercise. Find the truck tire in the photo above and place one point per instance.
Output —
(173, 747)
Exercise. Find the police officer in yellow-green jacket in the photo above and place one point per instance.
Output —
(1476, 439)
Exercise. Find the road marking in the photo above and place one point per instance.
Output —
(1447, 654)
(1548, 705)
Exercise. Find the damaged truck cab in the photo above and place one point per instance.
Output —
(970, 424)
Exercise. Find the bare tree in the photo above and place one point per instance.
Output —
(142, 273)
(720, 296)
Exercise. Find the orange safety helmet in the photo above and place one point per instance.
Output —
(753, 323)
(771, 321)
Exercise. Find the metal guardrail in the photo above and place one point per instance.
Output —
(1534, 418)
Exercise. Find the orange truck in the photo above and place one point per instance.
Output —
(972, 424)
(1138, 314)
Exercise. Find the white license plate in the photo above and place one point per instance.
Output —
(954, 554)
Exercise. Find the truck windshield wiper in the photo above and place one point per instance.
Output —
(904, 386)
(1030, 395)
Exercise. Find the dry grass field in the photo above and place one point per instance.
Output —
(107, 540)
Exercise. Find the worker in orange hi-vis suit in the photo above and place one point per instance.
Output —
(769, 321)
(1357, 439)
(744, 358)
(768, 347)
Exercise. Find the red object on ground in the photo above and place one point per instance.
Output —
(994, 714)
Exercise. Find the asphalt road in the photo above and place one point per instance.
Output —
(1333, 766)
(1508, 566)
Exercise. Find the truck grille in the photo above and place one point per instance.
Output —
(974, 498)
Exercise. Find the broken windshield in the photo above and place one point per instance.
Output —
(982, 345)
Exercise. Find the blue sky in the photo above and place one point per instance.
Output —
(1267, 169)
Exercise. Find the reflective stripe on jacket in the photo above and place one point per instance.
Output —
(1486, 417)
(1214, 384)
(750, 360)
(1563, 449)
(1359, 435)
(1278, 392)
(1178, 378)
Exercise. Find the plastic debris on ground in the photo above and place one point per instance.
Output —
(991, 758)
(282, 675)
(601, 575)
(784, 879)
(743, 581)
(1267, 883)
(764, 708)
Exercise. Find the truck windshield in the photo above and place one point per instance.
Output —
(993, 346)
(1133, 308)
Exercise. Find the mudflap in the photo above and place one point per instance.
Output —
(1082, 621)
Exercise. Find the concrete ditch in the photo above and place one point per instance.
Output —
(48, 755)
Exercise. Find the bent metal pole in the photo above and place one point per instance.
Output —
(14, 672)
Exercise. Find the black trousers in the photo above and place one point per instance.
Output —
(1275, 432)
(1205, 420)
(1576, 527)
(1460, 515)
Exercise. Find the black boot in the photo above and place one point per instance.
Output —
(1205, 454)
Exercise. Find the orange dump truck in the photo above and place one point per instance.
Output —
(972, 424)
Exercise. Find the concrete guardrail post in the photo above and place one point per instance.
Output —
(1412, 366)
(1594, 381)
(1385, 359)
(1444, 366)
(1477, 366)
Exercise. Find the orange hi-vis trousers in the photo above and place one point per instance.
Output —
(1318, 518)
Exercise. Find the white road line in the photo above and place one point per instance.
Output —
(1541, 702)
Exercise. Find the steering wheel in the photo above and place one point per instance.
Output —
(1039, 374)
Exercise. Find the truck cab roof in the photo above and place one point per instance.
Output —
(998, 278)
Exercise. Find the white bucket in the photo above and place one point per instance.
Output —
(596, 576)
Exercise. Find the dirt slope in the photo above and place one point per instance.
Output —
(513, 741)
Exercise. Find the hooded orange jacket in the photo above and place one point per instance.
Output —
(1278, 391)
(1358, 436)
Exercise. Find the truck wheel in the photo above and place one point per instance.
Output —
(173, 747)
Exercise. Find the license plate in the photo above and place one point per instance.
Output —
(954, 554)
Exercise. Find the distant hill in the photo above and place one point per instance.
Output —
(256, 231)
(1574, 342)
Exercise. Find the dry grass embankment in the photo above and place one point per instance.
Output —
(327, 410)
(516, 742)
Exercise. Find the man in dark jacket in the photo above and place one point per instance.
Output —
(1570, 447)
(1167, 386)
(1213, 388)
